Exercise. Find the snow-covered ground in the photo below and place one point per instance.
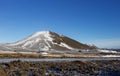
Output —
(107, 51)
(111, 56)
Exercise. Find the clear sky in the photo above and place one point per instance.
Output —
(87, 21)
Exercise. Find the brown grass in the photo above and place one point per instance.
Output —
(49, 55)
(18, 55)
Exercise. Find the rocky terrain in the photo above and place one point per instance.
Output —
(66, 68)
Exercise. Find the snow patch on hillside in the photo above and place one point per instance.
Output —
(65, 45)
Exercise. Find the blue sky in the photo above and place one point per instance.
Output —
(87, 21)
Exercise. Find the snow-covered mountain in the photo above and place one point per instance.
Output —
(45, 41)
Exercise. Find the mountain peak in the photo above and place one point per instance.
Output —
(42, 32)
(47, 40)
(47, 31)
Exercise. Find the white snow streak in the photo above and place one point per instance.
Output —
(65, 45)
(107, 51)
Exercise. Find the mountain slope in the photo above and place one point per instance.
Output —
(45, 41)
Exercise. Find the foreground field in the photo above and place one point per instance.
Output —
(66, 68)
